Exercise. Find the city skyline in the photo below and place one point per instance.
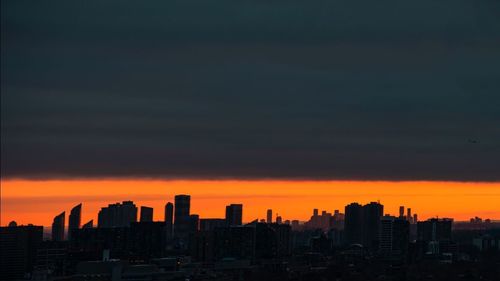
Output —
(328, 196)
(365, 235)
(250, 140)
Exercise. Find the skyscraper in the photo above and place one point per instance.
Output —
(146, 214)
(371, 223)
(353, 223)
(169, 213)
(181, 216)
(394, 237)
(75, 217)
(234, 214)
(401, 211)
(58, 226)
(169, 219)
(269, 216)
(117, 215)
(408, 215)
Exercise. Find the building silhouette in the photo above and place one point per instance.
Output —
(236, 242)
(58, 227)
(337, 220)
(146, 239)
(244, 243)
(75, 218)
(194, 223)
(394, 237)
(181, 217)
(146, 214)
(211, 224)
(372, 213)
(269, 216)
(353, 224)
(279, 220)
(434, 236)
(117, 215)
(234, 214)
(89, 224)
(409, 217)
(18, 248)
(434, 229)
(323, 221)
(169, 219)
(362, 224)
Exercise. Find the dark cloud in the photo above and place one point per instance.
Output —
(391, 90)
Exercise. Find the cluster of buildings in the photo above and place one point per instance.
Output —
(127, 243)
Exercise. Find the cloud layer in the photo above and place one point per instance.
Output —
(389, 90)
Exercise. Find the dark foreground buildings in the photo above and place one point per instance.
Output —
(363, 244)
(18, 249)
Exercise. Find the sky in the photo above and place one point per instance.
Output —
(250, 90)
(38, 202)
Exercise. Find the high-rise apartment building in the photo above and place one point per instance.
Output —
(58, 226)
(75, 218)
(146, 214)
(234, 214)
(117, 215)
(181, 216)
(269, 216)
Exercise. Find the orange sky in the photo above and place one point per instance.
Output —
(38, 202)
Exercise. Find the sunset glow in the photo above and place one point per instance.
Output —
(38, 202)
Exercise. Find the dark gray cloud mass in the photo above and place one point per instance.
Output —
(379, 90)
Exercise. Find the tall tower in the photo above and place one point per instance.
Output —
(234, 214)
(371, 223)
(181, 216)
(75, 219)
(401, 212)
(269, 216)
(169, 213)
(58, 227)
(353, 223)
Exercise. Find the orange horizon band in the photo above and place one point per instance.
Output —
(37, 202)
